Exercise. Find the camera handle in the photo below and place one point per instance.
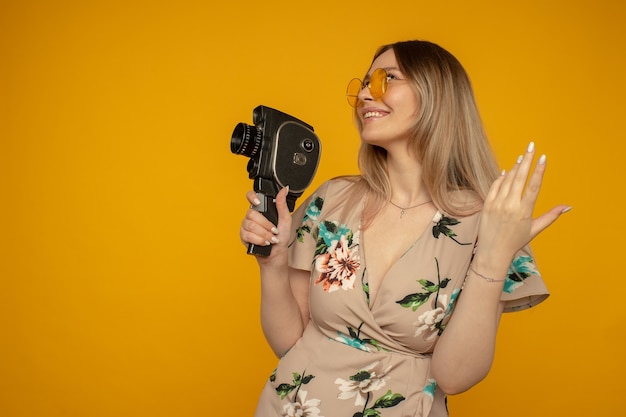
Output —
(266, 190)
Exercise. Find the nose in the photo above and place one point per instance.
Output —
(365, 94)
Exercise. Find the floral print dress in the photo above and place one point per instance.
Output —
(358, 358)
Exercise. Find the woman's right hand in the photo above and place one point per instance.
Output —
(258, 230)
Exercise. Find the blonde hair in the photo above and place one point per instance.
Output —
(448, 136)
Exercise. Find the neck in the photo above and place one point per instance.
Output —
(407, 185)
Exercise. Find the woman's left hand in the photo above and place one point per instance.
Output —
(507, 224)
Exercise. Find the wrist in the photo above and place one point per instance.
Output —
(491, 265)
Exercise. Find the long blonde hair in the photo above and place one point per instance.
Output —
(448, 136)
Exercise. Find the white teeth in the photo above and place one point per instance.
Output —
(372, 114)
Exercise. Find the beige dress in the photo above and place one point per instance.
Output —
(358, 358)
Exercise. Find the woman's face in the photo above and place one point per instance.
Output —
(389, 119)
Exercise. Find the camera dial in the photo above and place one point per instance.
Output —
(308, 145)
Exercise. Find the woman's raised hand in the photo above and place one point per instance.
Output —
(507, 224)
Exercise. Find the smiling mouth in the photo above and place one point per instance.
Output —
(371, 114)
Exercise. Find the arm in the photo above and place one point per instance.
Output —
(284, 290)
(465, 351)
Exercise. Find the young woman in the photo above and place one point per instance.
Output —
(383, 292)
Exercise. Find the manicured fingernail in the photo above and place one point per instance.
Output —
(503, 172)
(542, 160)
(531, 147)
(275, 239)
(267, 243)
(519, 159)
(256, 201)
(566, 209)
(274, 230)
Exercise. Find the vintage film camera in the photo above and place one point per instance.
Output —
(283, 151)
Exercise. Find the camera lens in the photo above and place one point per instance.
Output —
(246, 140)
(308, 145)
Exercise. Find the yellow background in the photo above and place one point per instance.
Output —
(124, 289)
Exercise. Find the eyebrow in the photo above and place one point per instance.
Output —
(367, 76)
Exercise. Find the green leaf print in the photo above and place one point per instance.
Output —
(442, 227)
(312, 213)
(307, 379)
(388, 400)
(416, 300)
(301, 231)
(354, 340)
(285, 389)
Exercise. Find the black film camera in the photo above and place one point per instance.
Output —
(283, 151)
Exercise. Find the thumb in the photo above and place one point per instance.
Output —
(281, 206)
(542, 222)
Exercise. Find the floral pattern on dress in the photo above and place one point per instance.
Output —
(302, 407)
(430, 388)
(337, 257)
(431, 323)
(353, 339)
(311, 215)
(284, 389)
(521, 268)
(442, 227)
(362, 385)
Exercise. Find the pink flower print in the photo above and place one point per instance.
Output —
(337, 266)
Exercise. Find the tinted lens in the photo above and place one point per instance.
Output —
(352, 92)
(378, 83)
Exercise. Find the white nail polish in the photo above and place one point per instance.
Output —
(275, 239)
(503, 172)
(519, 159)
(267, 243)
(256, 201)
(531, 147)
(566, 209)
(274, 230)
(542, 159)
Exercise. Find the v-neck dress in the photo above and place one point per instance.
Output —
(362, 359)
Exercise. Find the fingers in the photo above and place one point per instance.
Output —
(257, 229)
(253, 198)
(518, 174)
(516, 183)
(534, 184)
(546, 219)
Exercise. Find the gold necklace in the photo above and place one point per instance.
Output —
(403, 209)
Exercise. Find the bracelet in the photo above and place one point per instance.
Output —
(484, 277)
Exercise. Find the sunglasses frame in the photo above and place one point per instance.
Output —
(377, 84)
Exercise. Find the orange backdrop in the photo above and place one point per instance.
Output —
(124, 289)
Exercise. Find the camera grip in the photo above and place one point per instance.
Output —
(268, 208)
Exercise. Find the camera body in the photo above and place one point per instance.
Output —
(283, 150)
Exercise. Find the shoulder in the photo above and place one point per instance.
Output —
(335, 186)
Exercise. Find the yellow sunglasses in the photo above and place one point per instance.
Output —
(377, 85)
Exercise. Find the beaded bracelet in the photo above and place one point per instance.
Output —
(486, 278)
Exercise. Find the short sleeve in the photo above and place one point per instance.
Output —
(524, 286)
(304, 226)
